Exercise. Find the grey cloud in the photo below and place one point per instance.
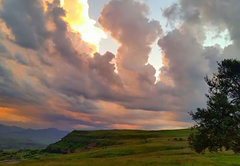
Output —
(12, 93)
(20, 59)
(187, 61)
(213, 54)
(26, 20)
(57, 118)
(62, 43)
(97, 80)
(183, 54)
(172, 13)
(3, 49)
(186, 68)
(218, 13)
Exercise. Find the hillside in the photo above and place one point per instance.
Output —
(12, 137)
(123, 148)
(86, 140)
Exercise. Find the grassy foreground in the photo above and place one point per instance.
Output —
(130, 148)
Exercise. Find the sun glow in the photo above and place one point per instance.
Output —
(79, 20)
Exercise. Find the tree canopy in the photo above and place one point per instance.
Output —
(218, 125)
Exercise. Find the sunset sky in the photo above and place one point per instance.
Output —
(111, 64)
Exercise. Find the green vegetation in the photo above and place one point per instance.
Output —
(22, 154)
(86, 140)
(218, 125)
(130, 148)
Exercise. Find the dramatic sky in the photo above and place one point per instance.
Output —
(111, 64)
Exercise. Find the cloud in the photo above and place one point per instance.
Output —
(186, 58)
(218, 13)
(127, 22)
(49, 77)
(26, 20)
(62, 43)
(3, 49)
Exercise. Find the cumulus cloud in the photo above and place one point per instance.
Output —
(127, 23)
(186, 58)
(49, 77)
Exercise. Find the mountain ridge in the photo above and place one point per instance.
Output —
(28, 138)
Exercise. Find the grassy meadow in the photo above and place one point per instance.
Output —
(124, 147)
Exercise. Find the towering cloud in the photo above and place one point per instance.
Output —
(127, 23)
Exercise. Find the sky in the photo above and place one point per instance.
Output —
(111, 64)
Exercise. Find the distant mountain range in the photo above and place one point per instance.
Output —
(12, 137)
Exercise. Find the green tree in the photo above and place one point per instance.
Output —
(218, 125)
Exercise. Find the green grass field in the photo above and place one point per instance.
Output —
(130, 148)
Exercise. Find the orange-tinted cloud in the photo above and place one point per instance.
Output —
(10, 114)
